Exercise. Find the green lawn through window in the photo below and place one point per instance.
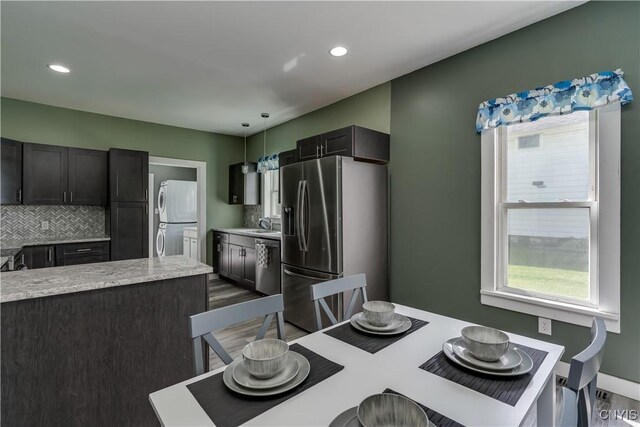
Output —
(552, 281)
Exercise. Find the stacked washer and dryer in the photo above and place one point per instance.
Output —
(178, 209)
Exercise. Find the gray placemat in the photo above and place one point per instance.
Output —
(436, 418)
(369, 342)
(505, 389)
(226, 408)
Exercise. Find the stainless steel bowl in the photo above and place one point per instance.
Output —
(265, 358)
(390, 410)
(484, 343)
(378, 313)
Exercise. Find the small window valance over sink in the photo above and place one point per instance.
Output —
(271, 162)
(586, 93)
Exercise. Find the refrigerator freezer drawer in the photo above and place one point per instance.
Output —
(296, 291)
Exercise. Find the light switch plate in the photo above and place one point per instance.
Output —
(44, 225)
(544, 326)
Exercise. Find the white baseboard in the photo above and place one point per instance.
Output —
(607, 382)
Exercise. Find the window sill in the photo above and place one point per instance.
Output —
(555, 310)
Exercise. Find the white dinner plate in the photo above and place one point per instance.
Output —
(404, 327)
(395, 323)
(510, 360)
(245, 379)
(349, 418)
(523, 368)
(303, 373)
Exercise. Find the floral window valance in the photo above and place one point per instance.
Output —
(271, 162)
(586, 93)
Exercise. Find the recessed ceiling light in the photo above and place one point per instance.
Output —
(338, 51)
(58, 68)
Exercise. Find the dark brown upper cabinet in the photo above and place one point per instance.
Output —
(11, 169)
(128, 225)
(288, 157)
(352, 141)
(55, 175)
(45, 174)
(87, 177)
(244, 189)
(128, 175)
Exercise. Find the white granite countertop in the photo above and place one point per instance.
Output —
(251, 232)
(43, 282)
(53, 240)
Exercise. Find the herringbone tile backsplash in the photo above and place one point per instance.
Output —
(252, 214)
(24, 222)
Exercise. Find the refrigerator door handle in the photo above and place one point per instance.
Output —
(304, 215)
(297, 227)
(291, 273)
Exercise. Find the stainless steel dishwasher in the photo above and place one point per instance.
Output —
(268, 266)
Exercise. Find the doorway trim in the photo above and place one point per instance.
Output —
(201, 179)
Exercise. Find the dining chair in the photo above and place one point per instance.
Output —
(579, 395)
(202, 326)
(356, 283)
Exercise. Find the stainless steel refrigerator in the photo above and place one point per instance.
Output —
(334, 224)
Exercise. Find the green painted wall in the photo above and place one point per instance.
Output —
(30, 122)
(370, 109)
(435, 182)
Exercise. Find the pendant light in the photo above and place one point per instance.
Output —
(264, 167)
(245, 166)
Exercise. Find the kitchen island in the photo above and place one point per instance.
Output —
(86, 344)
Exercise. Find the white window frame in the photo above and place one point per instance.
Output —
(266, 196)
(604, 204)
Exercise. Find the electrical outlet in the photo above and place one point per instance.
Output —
(544, 326)
(44, 225)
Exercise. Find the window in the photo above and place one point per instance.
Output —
(270, 194)
(551, 216)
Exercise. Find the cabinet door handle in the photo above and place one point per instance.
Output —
(321, 151)
(70, 196)
(146, 209)
(146, 194)
(83, 250)
(19, 195)
(50, 255)
(64, 197)
(317, 149)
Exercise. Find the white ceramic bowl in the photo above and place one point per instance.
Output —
(391, 410)
(484, 343)
(378, 313)
(265, 358)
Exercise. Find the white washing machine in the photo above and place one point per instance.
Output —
(177, 201)
(169, 238)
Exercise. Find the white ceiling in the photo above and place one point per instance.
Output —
(213, 65)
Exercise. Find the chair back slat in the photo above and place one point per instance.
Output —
(332, 287)
(202, 326)
(201, 323)
(583, 377)
(327, 311)
(585, 366)
(356, 283)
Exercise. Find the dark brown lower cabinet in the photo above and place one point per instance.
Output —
(39, 256)
(237, 259)
(128, 226)
(236, 262)
(92, 358)
(82, 253)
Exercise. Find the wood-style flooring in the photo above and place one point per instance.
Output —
(234, 338)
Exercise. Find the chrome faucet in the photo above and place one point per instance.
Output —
(265, 223)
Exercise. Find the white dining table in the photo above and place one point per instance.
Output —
(395, 367)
